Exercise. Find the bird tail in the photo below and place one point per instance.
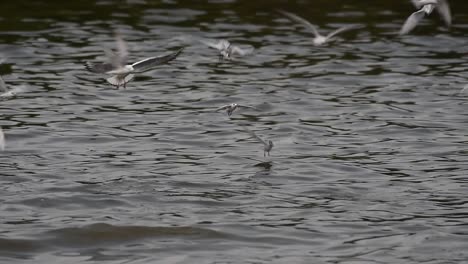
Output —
(118, 81)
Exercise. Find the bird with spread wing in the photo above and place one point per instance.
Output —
(267, 144)
(318, 38)
(121, 72)
(226, 49)
(425, 8)
(231, 107)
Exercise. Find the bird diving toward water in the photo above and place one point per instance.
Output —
(226, 49)
(231, 107)
(318, 38)
(267, 145)
(121, 72)
(425, 8)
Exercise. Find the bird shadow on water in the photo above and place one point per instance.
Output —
(264, 166)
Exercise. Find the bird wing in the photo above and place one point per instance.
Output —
(338, 31)
(14, 91)
(148, 63)
(112, 57)
(247, 106)
(2, 140)
(122, 50)
(301, 20)
(420, 3)
(258, 138)
(416, 4)
(99, 67)
(412, 21)
(254, 135)
(3, 87)
(117, 59)
(222, 108)
(443, 9)
(221, 45)
(240, 51)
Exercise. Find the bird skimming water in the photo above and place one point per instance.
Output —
(318, 38)
(267, 145)
(226, 49)
(119, 69)
(231, 107)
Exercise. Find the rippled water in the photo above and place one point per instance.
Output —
(370, 159)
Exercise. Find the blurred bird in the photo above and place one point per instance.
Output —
(119, 69)
(318, 38)
(226, 49)
(5, 92)
(462, 90)
(267, 145)
(442, 7)
(231, 107)
(3, 87)
(425, 8)
(2, 140)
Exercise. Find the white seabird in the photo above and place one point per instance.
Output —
(267, 145)
(231, 107)
(226, 49)
(425, 8)
(5, 92)
(2, 140)
(121, 71)
(318, 38)
(442, 7)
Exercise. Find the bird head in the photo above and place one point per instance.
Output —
(226, 53)
(231, 109)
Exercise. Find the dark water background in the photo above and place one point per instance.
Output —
(370, 160)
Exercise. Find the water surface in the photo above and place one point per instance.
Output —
(370, 156)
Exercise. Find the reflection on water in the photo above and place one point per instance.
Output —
(369, 161)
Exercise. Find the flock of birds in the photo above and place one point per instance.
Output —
(121, 72)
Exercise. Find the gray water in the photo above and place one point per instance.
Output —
(370, 159)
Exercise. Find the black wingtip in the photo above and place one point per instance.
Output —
(177, 53)
(174, 55)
